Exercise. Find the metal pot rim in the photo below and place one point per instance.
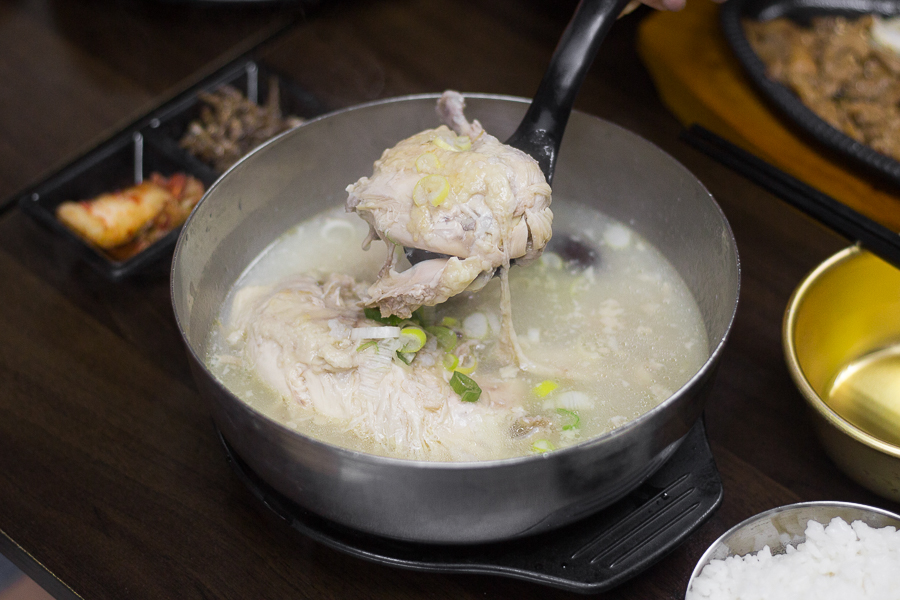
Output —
(701, 373)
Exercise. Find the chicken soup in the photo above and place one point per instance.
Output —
(606, 328)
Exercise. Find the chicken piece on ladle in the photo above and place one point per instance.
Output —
(459, 192)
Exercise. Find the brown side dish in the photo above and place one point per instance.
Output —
(837, 71)
(230, 125)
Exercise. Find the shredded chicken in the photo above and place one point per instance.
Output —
(458, 192)
(298, 337)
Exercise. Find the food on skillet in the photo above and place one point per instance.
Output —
(837, 560)
(839, 70)
(125, 222)
(230, 125)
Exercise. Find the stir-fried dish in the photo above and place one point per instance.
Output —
(846, 71)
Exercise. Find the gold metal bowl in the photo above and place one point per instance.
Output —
(841, 339)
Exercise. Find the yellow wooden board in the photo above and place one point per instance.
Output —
(700, 81)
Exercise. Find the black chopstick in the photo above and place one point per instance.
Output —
(845, 221)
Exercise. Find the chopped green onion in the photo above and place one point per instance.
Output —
(543, 446)
(412, 338)
(427, 162)
(465, 368)
(573, 421)
(449, 322)
(551, 260)
(406, 357)
(446, 337)
(450, 361)
(465, 386)
(367, 345)
(544, 388)
(431, 189)
(457, 144)
(375, 315)
(422, 315)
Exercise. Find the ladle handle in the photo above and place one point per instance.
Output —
(541, 130)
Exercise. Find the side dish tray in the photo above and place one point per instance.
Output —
(150, 145)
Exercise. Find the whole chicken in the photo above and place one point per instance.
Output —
(455, 191)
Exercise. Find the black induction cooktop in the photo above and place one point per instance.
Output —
(589, 556)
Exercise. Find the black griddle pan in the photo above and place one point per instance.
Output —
(788, 104)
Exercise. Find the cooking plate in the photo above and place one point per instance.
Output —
(592, 555)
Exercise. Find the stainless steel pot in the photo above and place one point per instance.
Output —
(305, 171)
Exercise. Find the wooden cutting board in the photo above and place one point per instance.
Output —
(700, 81)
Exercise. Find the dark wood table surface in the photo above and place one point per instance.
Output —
(113, 483)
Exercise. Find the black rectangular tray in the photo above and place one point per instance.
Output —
(150, 144)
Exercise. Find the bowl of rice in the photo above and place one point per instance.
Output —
(841, 339)
(815, 550)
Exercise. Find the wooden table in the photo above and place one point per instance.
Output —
(112, 480)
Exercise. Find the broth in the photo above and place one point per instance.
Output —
(610, 331)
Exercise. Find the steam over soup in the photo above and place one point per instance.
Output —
(607, 326)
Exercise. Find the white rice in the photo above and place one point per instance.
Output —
(840, 561)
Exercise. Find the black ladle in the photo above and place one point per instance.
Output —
(541, 130)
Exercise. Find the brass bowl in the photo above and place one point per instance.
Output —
(841, 339)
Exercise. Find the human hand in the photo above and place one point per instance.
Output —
(658, 4)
